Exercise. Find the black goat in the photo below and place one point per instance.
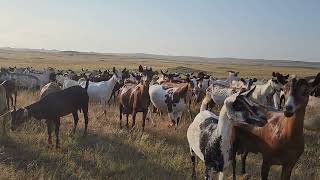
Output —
(54, 106)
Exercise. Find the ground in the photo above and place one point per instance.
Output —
(108, 152)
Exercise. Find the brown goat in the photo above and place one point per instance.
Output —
(135, 98)
(11, 90)
(281, 139)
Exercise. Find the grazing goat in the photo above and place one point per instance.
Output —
(101, 91)
(135, 98)
(281, 140)
(11, 90)
(54, 106)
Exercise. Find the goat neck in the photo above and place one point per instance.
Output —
(294, 124)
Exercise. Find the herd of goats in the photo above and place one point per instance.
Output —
(266, 117)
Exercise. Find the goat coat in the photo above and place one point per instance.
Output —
(59, 104)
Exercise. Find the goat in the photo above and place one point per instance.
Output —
(219, 92)
(48, 89)
(171, 98)
(101, 91)
(211, 137)
(281, 140)
(54, 106)
(135, 97)
(11, 90)
(312, 119)
(4, 109)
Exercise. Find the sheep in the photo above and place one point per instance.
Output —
(52, 107)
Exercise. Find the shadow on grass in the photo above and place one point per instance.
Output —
(94, 156)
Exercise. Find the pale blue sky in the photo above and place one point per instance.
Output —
(269, 29)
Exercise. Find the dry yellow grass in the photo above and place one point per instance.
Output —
(109, 152)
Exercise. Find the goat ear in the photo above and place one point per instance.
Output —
(254, 80)
(140, 68)
(243, 80)
(274, 74)
(248, 93)
(162, 72)
(287, 76)
(114, 70)
(316, 81)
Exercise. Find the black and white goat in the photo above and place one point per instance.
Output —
(52, 107)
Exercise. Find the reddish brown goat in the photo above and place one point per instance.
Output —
(281, 140)
(135, 98)
(11, 90)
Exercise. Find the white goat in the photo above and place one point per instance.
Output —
(101, 91)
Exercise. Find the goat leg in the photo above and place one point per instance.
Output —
(243, 161)
(120, 117)
(86, 121)
(144, 115)
(57, 124)
(75, 120)
(15, 100)
(193, 160)
(127, 118)
(286, 172)
(49, 129)
(265, 168)
(133, 118)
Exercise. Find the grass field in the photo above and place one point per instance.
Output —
(109, 152)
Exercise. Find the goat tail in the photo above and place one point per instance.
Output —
(87, 84)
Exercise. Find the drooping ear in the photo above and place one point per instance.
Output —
(163, 73)
(249, 92)
(243, 80)
(254, 80)
(316, 81)
(287, 76)
(140, 68)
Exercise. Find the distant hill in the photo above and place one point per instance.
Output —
(223, 60)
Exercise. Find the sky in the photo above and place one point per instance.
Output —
(264, 29)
